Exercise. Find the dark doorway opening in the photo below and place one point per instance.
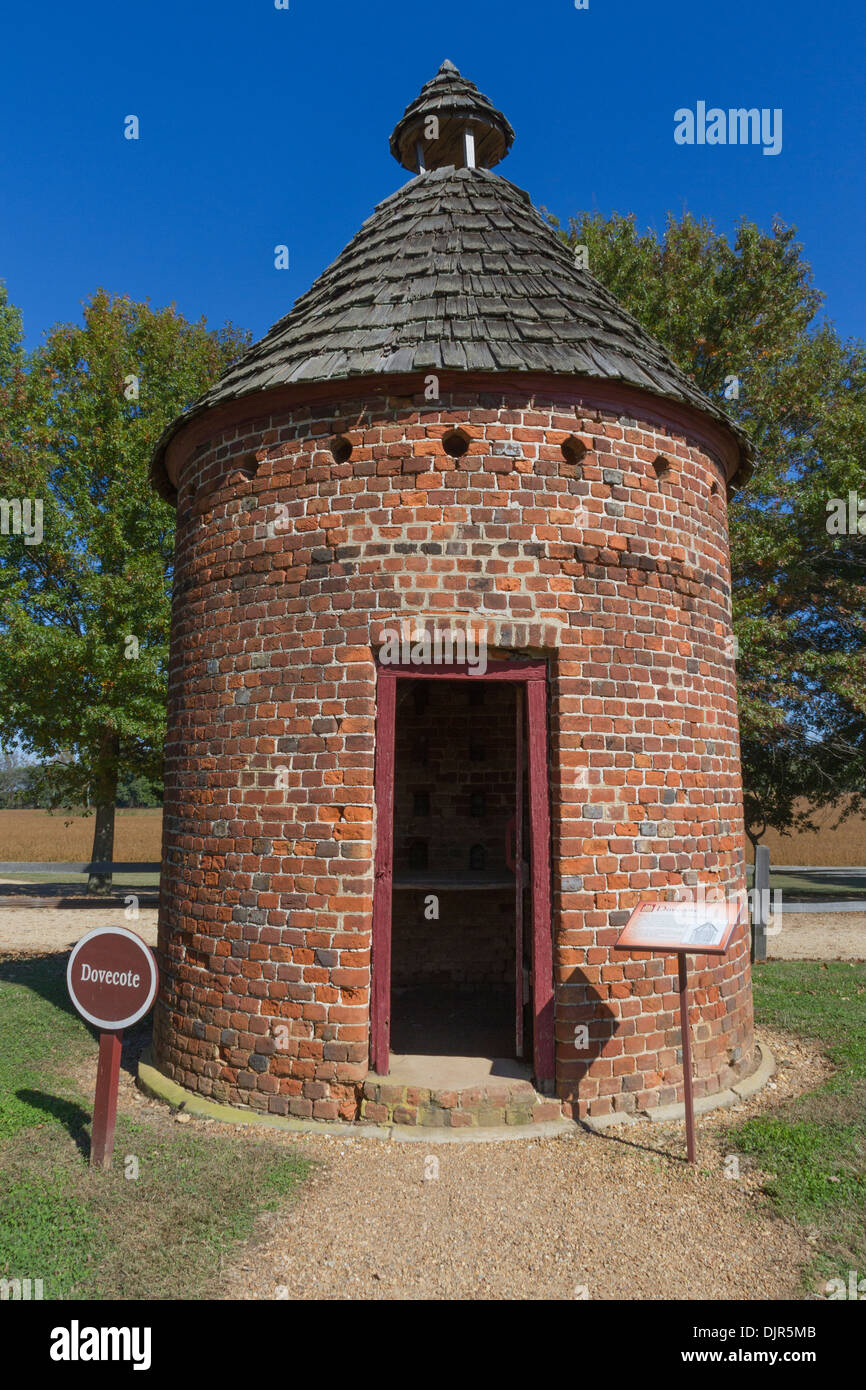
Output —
(460, 750)
(457, 945)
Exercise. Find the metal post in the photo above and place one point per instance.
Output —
(760, 902)
(687, 1057)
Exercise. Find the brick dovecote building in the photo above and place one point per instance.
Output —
(368, 853)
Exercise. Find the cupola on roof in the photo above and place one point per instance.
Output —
(455, 271)
(451, 122)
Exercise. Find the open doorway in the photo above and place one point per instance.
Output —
(462, 951)
(455, 917)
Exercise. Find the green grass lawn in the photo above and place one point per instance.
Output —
(814, 1147)
(95, 1234)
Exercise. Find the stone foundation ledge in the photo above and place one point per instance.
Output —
(485, 1124)
(676, 1114)
(522, 1125)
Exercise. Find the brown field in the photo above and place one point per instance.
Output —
(33, 836)
(846, 845)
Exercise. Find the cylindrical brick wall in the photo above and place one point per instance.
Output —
(289, 566)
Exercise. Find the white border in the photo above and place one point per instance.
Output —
(101, 1023)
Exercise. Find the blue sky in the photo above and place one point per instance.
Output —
(262, 126)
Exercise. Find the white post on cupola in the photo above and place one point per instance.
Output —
(469, 142)
(419, 155)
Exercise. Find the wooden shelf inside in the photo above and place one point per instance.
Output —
(456, 880)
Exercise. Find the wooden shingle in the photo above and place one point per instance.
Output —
(454, 248)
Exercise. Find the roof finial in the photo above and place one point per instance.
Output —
(451, 123)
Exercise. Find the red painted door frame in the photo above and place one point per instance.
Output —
(380, 993)
(517, 866)
(533, 676)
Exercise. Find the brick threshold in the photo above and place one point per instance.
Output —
(488, 1103)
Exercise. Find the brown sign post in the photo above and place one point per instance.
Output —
(682, 928)
(112, 981)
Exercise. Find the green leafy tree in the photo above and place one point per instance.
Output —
(15, 774)
(136, 791)
(84, 609)
(11, 335)
(13, 383)
(742, 318)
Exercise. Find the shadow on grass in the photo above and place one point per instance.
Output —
(74, 1118)
(45, 975)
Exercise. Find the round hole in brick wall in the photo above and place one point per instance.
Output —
(663, 470)
(456, 443)
(715, 490)
(243, 469)
(573, 451)
(341, 448)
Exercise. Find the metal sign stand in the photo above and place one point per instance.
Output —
(700, 929)
(685, 1034)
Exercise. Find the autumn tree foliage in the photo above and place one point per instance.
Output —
(744, 318)
(84, 611)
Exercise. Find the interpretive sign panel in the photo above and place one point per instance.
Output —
(699, 928)
(703, 928)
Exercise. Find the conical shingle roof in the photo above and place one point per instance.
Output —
(455, 271)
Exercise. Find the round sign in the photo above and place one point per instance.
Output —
(112, 978)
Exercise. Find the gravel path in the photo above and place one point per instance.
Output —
(819, 936)
(613, 1216)
(40, 929)
(610, 1217)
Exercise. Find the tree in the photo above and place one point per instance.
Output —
(15, 775)
(135, 791)
(11, 335)
(741, 319)
(84, 608)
